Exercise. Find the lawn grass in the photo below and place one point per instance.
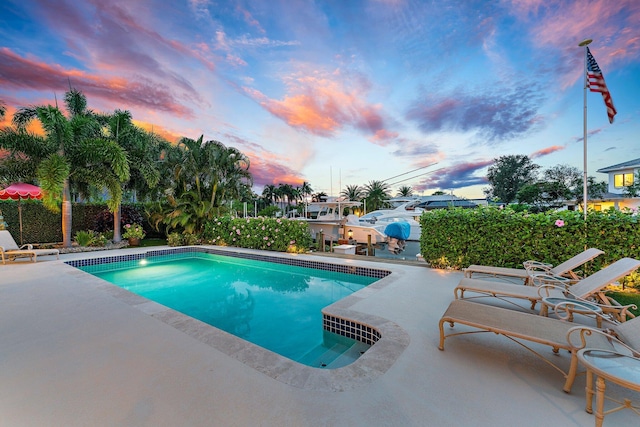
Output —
(153, 242)
(626, 298)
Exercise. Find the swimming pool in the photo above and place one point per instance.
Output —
(276, 305)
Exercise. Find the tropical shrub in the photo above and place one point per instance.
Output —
(90, 238)
(84, 238)
(269, 234)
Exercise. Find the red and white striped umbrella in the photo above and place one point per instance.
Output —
(19, 191)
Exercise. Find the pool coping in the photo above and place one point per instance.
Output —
(391, 339)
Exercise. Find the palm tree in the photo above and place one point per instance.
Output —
(205, 174)
(269, 193)
(75, 151)
(353, 192)
(319, 197)
(405, 191)
(306, 189)
(142, 153)
(3, 109)
(377, 195)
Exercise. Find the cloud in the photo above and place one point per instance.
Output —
(326, 104)
(546, 151)
(562, 25)
(458, 175)
(18, 72)
(495, 116)
(589, 133)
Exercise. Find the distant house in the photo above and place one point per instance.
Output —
(620, 176)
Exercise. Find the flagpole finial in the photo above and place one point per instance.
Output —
(585, 42)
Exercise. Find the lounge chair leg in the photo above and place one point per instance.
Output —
(571, 374)
(441, 326)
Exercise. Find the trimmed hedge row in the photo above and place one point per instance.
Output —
(40, 225)
(270, 234)
(457, 238)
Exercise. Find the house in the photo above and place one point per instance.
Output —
(620, 176)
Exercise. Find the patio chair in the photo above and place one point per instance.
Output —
(10, 250)
(519, 326)
(589, 287)
(566, 269)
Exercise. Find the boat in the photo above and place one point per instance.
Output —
(404, 212)
(327, 217)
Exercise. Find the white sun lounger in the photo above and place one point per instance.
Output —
(10, 250)
(564, 269)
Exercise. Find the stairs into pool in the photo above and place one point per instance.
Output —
(335, 352)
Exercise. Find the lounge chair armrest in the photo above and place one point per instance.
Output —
(544, 290)
(537, 267)
(565, 309)
(581, 337)
(28, 247)
(540, 279)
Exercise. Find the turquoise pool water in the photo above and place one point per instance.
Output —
(275, 306)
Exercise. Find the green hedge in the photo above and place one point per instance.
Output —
(457, 238)
(40, 225)
(269, 234)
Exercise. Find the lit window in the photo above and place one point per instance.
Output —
(622, 180)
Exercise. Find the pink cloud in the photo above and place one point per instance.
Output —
(546, 151)
(324, 105)
(19, 72)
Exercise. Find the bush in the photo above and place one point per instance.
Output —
(84, 238)
(183, 239)
(456, 238)
(90, 238)
(269, 234)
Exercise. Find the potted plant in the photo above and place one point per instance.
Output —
(133, 233)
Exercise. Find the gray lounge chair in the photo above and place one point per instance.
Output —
(10, 250)
(558, 334)
(566, 269)
(588, 287)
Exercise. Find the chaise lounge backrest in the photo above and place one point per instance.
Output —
(7, 242)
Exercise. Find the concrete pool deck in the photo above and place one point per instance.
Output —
(75, 352)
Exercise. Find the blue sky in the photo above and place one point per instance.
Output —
(340, 93)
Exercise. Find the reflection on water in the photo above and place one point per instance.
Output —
(272, 305)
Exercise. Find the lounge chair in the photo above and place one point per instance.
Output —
(566, 269)
(589, 287)
(517, 325)
(9, 249)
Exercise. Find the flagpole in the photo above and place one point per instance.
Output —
(585, 43)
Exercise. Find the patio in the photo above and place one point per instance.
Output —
(75, 353)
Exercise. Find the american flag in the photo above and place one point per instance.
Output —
(596, 84)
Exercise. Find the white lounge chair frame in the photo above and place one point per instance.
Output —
(9, 249)
(565, 269)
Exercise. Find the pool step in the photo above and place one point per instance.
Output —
(334, 352)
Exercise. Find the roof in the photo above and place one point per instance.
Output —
(621, 166)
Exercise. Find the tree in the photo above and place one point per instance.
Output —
(633, 190)
(319, 197)
(377, 195)
(405, 191)
(438, 193)
(205, 175)
(353, 192)
(306, 190)
(269, 193)
(74, 151)
(508, 174)
(3, 109)
(595, 190)
(143, 154)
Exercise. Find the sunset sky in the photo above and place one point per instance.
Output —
(342, 92)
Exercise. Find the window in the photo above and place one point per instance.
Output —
(622, 180)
